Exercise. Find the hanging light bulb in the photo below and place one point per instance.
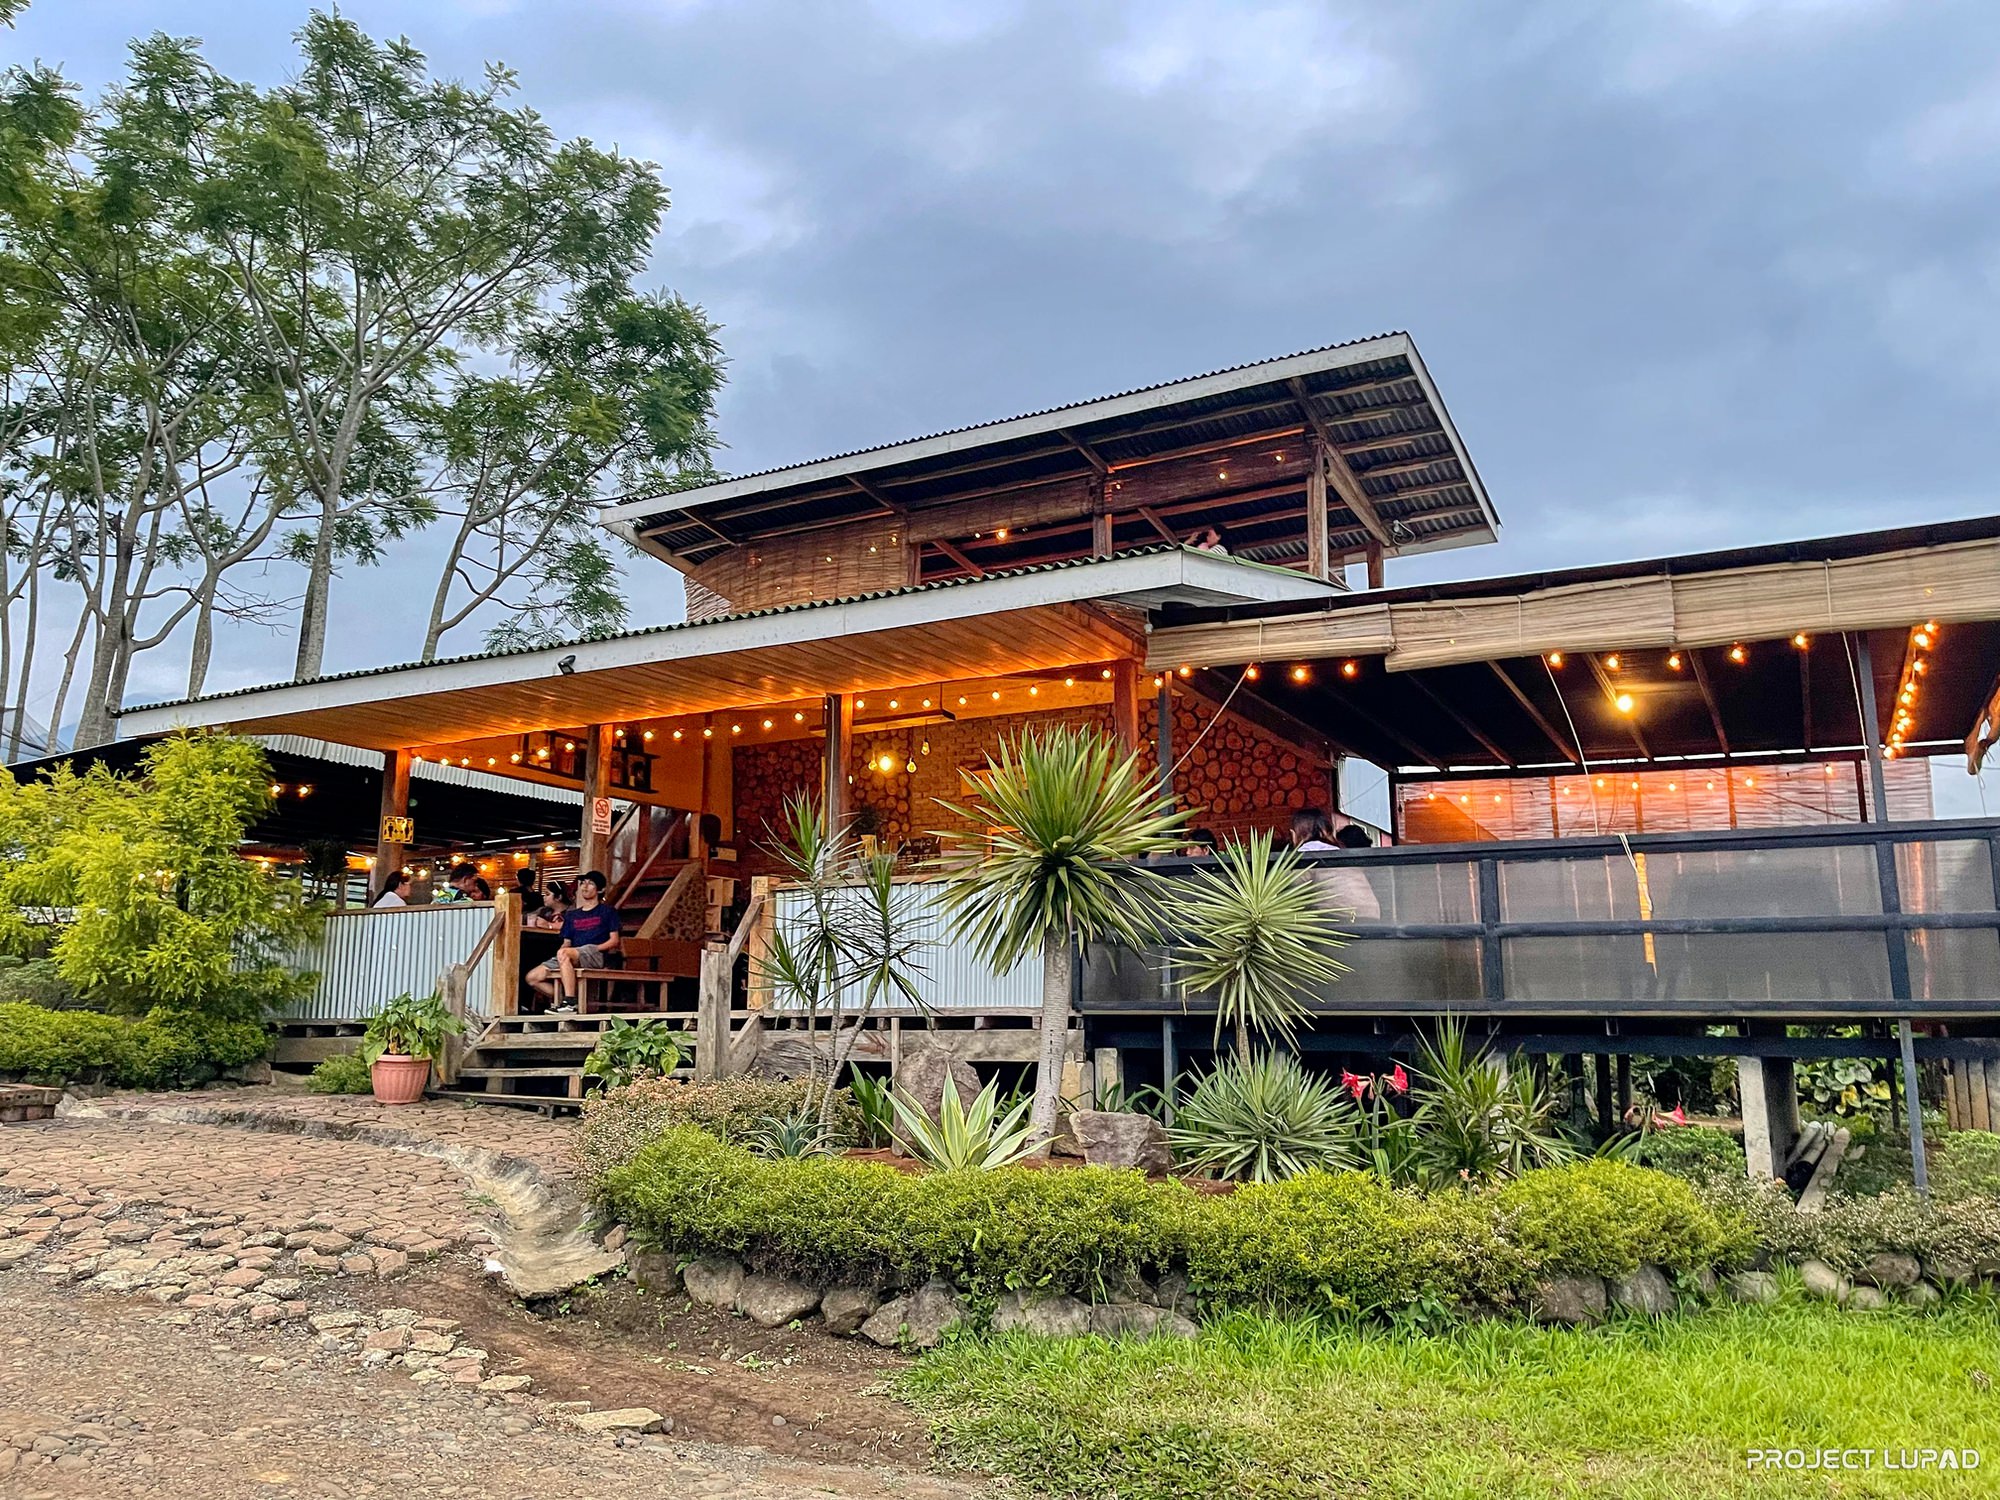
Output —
(911, 765)
(1301, 673)
(1624, 702)
(1738, 655)
(1673, 661)
(1555, 658)
(1802, 640)
(1613, 662)
(1350, 669)
(1252, 672)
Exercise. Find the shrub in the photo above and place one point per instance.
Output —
(33, 981)
(163, 1049)
(1849, 1229)
(636, 1049)
(343, 1073)
(409, 1027)
(1692, 1151)
(1263, 1120)
(620, 1123)
(1967, 1165)
(1606, 1218)
(1342, 1243)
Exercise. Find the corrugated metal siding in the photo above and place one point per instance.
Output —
(366, 958)
(949, 977)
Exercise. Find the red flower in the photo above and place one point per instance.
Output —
(1399, 1080)
(1354, 1084)
(1678, 1115)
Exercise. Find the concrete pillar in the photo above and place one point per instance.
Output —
(1770, 1096)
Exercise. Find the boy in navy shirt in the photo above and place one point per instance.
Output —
(590, 933)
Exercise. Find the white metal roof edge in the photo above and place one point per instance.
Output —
(1108, 579)
(371, 760)
(913, 450)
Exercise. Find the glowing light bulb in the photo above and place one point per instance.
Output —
(1613, 662)
(1624, 702)
(798, 717)
(1350, 669)
(1555, 658)
(887, 764)
(648, 736)
(735, 728)
(1187, 671)
(1802, 640)
(1673, 661)
(767, 723)
(1105, 674)
(1738, 655)
(708, 732)
(1922, 638)
(1301, 674)
(515, 758)
(996, 695)
(1252, 672)
(895, 703)
(678, 733)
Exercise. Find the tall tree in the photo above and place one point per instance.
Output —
(385, 227)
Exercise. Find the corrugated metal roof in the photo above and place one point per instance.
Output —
(652, 630)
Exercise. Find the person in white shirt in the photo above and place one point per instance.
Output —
(395, 890)
(1349, 890)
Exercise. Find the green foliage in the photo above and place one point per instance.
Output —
(343, 1073)
(1262, 1408)
(619, 1123)
(1844, 1086)
(629, 1050)
(1254, 934)
(1262, 1120)
(1076, 818)
(875, 1108)
(409, 1027)
(1478, 1121)
(1326, 1242)
(36, 981)
(1606, 1218)
(162, 1049)
(1692, 1151)
(134, 887)
(790, 1137)
(1966, 1164)
(966, 1138)
(1848, 1229)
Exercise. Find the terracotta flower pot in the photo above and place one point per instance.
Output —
(399, 1080)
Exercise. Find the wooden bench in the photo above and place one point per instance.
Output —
(651, 964)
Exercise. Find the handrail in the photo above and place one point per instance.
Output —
(631, 881)
(664, 907)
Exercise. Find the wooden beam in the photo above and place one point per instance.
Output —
(1372, 554)
(893, 507)
(1568, 752)
(1318, 564)
(593, 848)
(1708, 698)
(395, 804)
(837, 713)
(1345, 483)
(1125, 703)
(1611, 696)
(1406, 466)
(1393, 440)
(1805, 697)
(959, 557)
(1416, 680)
(1153, 518)
(1090, 454)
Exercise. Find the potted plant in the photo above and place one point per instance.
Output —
(403, 1039)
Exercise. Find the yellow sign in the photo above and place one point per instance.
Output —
(399, 830)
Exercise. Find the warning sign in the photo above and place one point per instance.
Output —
(600, 815)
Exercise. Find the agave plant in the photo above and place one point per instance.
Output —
(1255, 934)
(1075, 816)
(790, 1137)
(975, 1137)
(875, 1102)
(1265, 1119)
(1484, 1117)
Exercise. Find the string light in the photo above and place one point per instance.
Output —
(708, 731)
(1252, 672)
(1105, 674)
(1922, 638)
(1673, 661)
(895, 703)
(1301, 674)
(1555, 658)
(678, 733)
(767, 723)
(515, 758)
(1187, 671)
(1802, 640)
(1350, 669)
(735, 728)
(1624, 702)
(648, 736)
(798, 717)
(1613, 662)
(1738, 655)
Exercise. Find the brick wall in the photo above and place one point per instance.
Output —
(1239, 776)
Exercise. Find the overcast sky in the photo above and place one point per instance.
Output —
(1689, 273)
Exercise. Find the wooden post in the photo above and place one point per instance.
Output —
(711, 1026)
(1318, 563)
(1125, 704)
(838, 712)
(1100, 534)
(698, 845)
(395, 804)
(1374, 556)
(594, 849)
(506, 992)
(1919, 1169)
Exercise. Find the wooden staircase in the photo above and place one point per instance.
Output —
(535, 1062)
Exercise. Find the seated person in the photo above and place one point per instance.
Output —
(465, 879)
(590, 940)
(395, 890)
(1312, 831)
(528, 886)
(556, 902)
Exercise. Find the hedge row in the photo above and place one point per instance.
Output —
(1340, 1242)
(620, 1123)
(163, 1049)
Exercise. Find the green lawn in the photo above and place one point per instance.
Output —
(1265, 1408)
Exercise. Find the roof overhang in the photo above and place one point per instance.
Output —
(1001, 624)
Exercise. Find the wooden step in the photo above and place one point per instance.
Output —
(509, 1072)
(556, 1041)
(548, 1104)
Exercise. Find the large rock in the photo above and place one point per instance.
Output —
(1172, 1292)
(1950, 1270)
(1867, 1299)
(845, 1308)
(1570, 1299)
(1891, 1268)
(775, 1300)
(1923, 1294)
(653, 1271)
(1139, 1319)
(1109, 1138)
(920, 1320)
(1646, 1291)
(1050, 1317)
(1754, 1286)
(1822, 1281)
(920, 1079)
(714, 1281)
(624, 1419)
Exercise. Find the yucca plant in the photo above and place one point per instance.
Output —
(1075, 816)
(790, 1137)
(1265, 1119)
(1482, 1116)
(966, 1138)
(1254, 931)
